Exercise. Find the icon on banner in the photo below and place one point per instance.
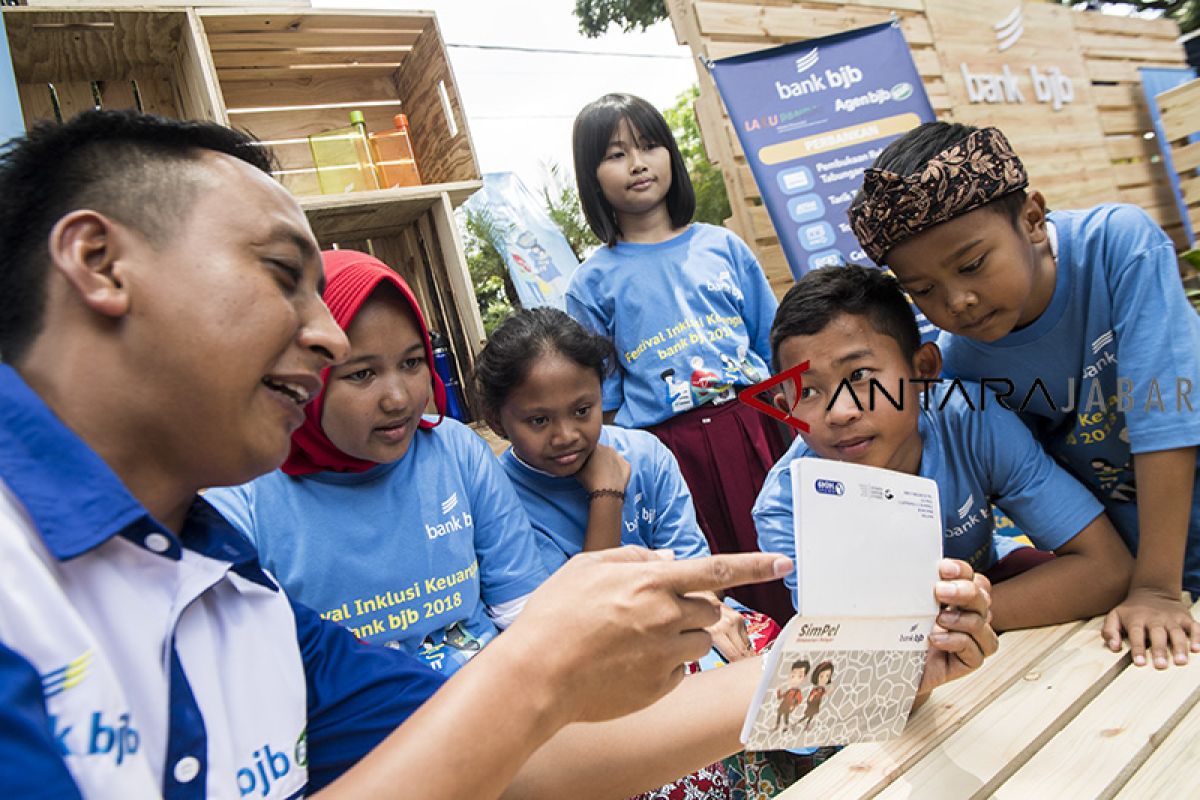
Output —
(793, 181)
(827, 258)
(806, 208)
(817, 235)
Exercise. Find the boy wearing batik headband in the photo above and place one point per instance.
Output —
(1080, 318)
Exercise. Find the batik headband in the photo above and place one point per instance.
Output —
(890, 208)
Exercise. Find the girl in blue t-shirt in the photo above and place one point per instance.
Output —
(590, 486)
(400, 527)
(584, 485)
(689, 310)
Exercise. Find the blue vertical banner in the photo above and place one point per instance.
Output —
(811, 117)
(12, 123)
(1155, 81)
(539, 258)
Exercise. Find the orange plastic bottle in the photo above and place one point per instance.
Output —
(395, 161)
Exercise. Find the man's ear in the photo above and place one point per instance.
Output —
(927, 361)
(1033, 217)
(85, 247)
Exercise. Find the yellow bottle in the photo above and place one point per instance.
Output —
(343, 158)
(395, 162)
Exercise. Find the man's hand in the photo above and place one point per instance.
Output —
(729, 635)
(1151, 616)
(611, 630)
(605, 468)
(962, 636)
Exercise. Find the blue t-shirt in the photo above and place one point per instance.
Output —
(977, 456)
(658, 510)
(408, 554)
(1116, 353)
(690, 319)
(138, 663)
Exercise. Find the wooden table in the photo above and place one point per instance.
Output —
(1054, 714)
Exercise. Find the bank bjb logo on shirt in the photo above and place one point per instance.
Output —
(451, 521)
(269, 766)
(96, 733)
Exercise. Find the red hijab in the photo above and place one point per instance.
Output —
(350, 278)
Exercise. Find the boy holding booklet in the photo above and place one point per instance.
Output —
(861, 398)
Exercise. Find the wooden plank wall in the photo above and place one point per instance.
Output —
(1113, 49)
(1087, 153)
(1063, 150)
(1181, 118)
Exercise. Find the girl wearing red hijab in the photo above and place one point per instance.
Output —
(397, 524)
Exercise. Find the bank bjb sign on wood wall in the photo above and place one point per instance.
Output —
(1020, 67)
(1062, 83)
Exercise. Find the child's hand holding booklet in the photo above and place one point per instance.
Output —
(847, 667)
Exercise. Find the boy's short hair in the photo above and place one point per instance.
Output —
(129, 166)
(824, 294)
(593, 129)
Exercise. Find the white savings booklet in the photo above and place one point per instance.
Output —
(847, 667)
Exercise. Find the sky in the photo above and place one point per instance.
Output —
(520, 105)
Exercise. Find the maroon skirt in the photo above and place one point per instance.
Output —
(725, 453)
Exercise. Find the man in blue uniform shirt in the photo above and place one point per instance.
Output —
(161, 329)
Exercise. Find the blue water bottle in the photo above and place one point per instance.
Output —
(443, 362)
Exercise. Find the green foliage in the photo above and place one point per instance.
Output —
(712, 202)
(494, 290)
(596, 15)
(562, 204)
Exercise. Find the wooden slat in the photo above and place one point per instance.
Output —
(224, 21)
(791, 23)
(363, 215)
(1124, 71)
(1138, 172)
(1002, 737)
(232, 59)
(1126, 120)
(442, 158)
(55, 45)
(1122, 147)
(287, 76)
(1101, 747)
(1190, 190)
(462, 293)
(195, 75)
(1150, 28)
(1181, 121)
(315, 40)
(1173, 770)
(863, 769)
(272, 126)
(1186, 157)
(1133, 47)
(308, 88)
(1184, 94)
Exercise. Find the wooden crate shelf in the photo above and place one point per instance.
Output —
(282, 74)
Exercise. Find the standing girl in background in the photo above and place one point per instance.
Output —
(689, 311)
(399, 527)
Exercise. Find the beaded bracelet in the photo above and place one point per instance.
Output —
(617, 493)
